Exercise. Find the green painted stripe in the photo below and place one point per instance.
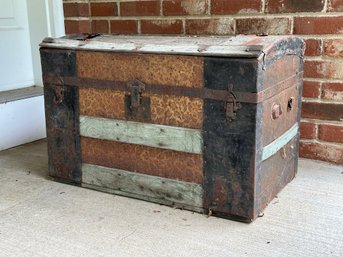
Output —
(160, 136)
(280, 142)
(141, 186)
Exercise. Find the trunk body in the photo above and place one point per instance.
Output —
(204, 124)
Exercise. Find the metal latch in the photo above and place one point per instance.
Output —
(231, 107)
(136, 88)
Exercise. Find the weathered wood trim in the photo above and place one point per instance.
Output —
(141, 186)
(121, 44)
(280, 142)
(160, 136)
(21, 93)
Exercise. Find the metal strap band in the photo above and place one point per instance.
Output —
(202, 93)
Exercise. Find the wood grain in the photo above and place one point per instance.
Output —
(143, 186)
(160, 136)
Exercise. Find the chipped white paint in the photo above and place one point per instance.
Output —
(153, 135)
(141, 186)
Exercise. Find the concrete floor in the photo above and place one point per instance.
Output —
(39, 217)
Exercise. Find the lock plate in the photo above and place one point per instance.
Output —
(136, 88)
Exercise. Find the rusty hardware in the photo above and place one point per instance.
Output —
(58, 95)
(290, 104)
(136, 89)
(231, 107)
(203, 93)
(276, 111)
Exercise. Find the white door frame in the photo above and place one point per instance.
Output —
(22, 120)
(50, 24)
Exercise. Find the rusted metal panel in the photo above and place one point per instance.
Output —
(142, 159)
(277, 72)
(286, 106)
(229, 148)
(58, 63)
(276, 172)
(62, 116)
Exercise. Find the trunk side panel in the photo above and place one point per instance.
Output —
(229, 147)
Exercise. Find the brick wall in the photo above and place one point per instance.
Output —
(319, 22)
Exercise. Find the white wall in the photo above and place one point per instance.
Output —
(21, 122)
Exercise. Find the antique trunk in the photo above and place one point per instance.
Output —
(209, 124)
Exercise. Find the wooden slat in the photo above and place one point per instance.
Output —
(280, 142)
(143, 186)
(200, 46)
(160, 136)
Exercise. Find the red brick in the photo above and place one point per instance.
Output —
(311, 89)
(124, 26)
(333, 47)
(293, 6)
(75, 9)
(140, 8)
(328, 69)
(75, 27)
(235, 6)
(332, 91)
(184, 7)
(221, 26)
(323, 152)
(161, 26)
(100, 26)
(322, 111)
(313, 47)
(335, 6)
(330, 133)
(104, 9)
(308, 130)
(272, 26)
(318, 25)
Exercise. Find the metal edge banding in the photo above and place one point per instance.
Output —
(280, 142)
(153, 135)
(142, 186)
